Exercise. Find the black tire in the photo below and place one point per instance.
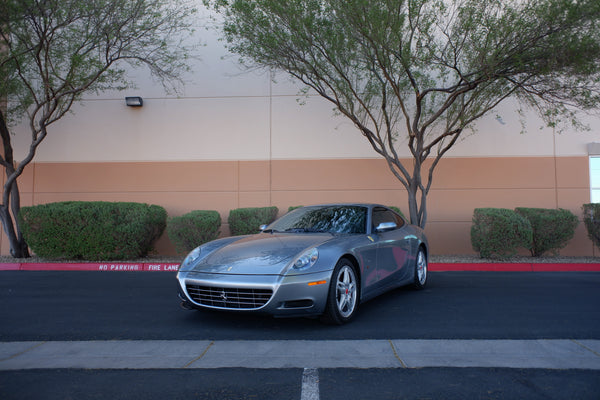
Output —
(421, 270)
(344, 293)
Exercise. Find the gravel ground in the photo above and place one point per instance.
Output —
(467, 258)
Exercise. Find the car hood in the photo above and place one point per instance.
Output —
(261, 254)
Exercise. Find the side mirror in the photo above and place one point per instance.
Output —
(263, 227)
(386, 226)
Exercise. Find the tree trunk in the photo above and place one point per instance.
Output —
(11, 199)
(18, 246)
(413, 208)
(417, 206)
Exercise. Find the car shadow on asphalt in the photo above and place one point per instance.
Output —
(231, 325)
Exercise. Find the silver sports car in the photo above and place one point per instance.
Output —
(316, 260)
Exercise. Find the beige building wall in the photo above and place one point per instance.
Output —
(462, 184)
(232, 139)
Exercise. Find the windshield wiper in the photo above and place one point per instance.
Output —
(305, 230)
(296, 230)
(270, 231)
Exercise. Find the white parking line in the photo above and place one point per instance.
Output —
(310, 384)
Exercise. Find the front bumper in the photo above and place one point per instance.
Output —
(300, 295)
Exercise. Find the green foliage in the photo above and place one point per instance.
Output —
(591, 219)
(61, 49)
(245, 221)
(193, 229)
(54, 52)
(552, 229)
(97, 231)
(292, 208)
(499, 232)
(422, 72)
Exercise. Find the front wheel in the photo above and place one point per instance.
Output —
(342, 300)
(420, 277)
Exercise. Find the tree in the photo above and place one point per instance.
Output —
(52, 52)
(421, 72)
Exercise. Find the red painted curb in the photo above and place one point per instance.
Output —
(172, 267)
(516, 267)
(157, 267)
(571, 267)
(9, 267)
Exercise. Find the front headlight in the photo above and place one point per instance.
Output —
(306, 259)
(191, 257)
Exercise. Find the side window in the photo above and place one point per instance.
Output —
(381, 215)
(399, 220)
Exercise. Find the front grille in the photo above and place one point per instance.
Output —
(232, 298)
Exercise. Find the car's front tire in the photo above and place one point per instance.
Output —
(344, 291)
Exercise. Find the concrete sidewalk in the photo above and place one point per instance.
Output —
(175, 354)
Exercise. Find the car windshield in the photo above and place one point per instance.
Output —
(331, 219)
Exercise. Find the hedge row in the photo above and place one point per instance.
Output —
(246, 221)
(198, 227)
(500, 232)
(79, 230)
(93, 231)
(121, 231)
(194, 228)
(552, 229)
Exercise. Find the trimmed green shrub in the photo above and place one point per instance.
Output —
(552, 229)
(591, 219)
(97, 231)
(193, 229)
(499, 232)
(246, 221)
(292, 208)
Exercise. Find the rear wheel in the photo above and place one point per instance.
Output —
(342, 301)
(420, 277)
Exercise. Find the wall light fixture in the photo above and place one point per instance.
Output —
(134, 101)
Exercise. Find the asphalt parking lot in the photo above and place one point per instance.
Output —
(468, 335)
